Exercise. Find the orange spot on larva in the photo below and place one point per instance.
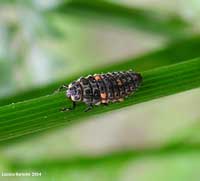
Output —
(97, 77)
(103, 95)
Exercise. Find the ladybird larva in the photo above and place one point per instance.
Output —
(102, 88)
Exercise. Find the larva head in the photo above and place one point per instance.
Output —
(74, 92)
(137, 79)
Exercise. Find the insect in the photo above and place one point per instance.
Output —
(102, 88)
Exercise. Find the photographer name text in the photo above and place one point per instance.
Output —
(21, 174)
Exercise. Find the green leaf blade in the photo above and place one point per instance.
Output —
(42, 113)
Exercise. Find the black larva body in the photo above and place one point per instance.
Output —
(103, 88)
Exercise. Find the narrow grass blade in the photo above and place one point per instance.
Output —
(42, 113)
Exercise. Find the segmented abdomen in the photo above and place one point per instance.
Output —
(108, 87)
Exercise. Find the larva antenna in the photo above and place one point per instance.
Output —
(61, 88)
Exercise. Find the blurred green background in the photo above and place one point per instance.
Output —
(42, 42)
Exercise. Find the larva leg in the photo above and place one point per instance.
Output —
(70, 108)
(90, 106)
